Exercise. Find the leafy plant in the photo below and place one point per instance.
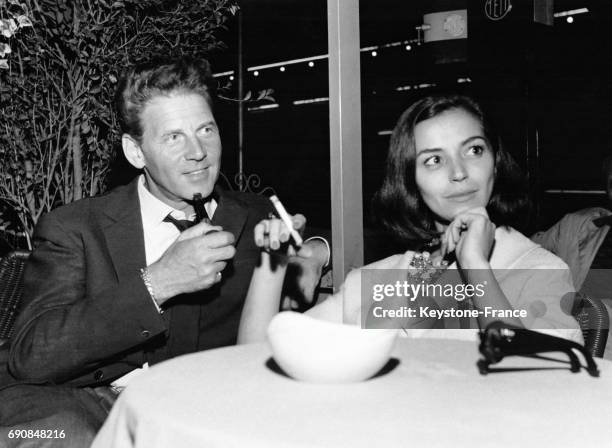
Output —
(61, 60)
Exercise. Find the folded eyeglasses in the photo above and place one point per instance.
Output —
(499, 340)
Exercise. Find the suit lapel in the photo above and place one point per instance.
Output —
(121, 223)
(123, 230)
(231, 213)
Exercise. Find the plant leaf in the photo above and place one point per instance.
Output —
(23, 21)
(4, 49)
(5, 28)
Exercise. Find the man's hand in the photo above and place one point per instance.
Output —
(192, 263)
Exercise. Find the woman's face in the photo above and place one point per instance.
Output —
(454, 164)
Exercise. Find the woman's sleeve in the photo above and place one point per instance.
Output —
(547, 295)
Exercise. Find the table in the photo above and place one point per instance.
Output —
(434, 397)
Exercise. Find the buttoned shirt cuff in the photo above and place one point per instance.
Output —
(320, 238)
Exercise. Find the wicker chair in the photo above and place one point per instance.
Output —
(11, 286)
(594, 321)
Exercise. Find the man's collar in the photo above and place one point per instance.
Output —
(154, 210)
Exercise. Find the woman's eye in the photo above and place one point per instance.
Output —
(432, 161)
(476, 150)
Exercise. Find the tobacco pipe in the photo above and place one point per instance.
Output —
(200, 210)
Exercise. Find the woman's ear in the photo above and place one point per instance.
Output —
(132, 151)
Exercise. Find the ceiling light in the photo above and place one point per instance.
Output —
(571, 12)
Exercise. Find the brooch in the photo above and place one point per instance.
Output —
(425, 270)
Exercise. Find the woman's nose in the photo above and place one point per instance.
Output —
(458, 171)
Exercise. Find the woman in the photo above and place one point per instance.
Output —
(450, 186)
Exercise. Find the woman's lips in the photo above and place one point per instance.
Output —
(462, 197)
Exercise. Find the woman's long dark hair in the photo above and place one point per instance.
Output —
(398, 205)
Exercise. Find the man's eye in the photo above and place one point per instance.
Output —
(432, 161)
(206, 130)
(173, 137)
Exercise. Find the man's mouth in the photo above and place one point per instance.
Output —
(198, 172)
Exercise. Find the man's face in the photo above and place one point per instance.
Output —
(180, 149)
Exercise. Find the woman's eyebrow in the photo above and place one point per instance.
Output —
(473, 137)
(464, 142)
(428, 151)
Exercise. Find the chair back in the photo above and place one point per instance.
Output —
(11, 288)
(594, 321)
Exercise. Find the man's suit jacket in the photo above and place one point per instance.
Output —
(87, 317)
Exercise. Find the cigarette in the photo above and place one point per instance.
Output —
(286, 219)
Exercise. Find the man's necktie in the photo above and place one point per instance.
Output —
(180, 224)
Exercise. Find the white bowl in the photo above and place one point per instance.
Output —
(314, 350)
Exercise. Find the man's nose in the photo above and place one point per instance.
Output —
(196, 150)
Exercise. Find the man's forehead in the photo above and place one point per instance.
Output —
(161, 95)
(187, 106)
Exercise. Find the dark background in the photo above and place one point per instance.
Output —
(549, 89)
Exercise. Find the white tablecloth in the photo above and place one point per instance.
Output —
(434, 397)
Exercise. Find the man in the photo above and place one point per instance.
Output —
(116, 283)
(584, 241)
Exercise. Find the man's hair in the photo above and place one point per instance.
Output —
(145, 81)
(398, 205)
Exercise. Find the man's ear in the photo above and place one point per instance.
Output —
(132, 151)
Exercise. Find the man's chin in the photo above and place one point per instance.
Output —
(205, 191)
(203, 187)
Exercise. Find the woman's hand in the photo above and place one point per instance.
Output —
(471, 235)
(271, 234)
(265, 290)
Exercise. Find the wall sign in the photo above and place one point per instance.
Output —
(455, 25)
(497, 9)
(445, 25)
